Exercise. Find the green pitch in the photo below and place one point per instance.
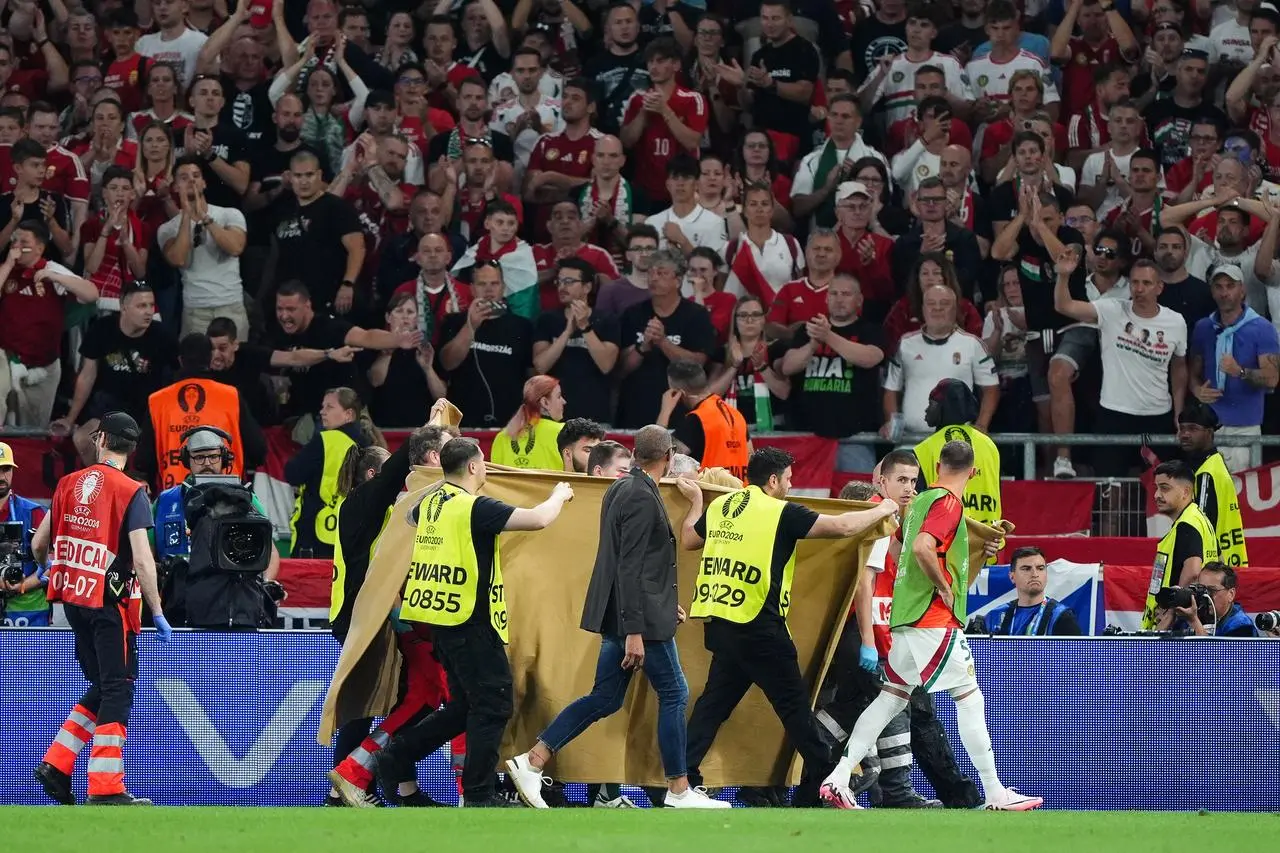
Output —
(249, 830)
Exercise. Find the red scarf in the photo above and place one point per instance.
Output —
(24, 277)
(486, 252)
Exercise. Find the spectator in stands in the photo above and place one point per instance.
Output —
(31, 201)
(1104, 165)
(1169, 119)
(531, 112)
(115, 240)
(1004, 334)
(221, 146)
(1031, 613)
(1136, 216)
(939, 350)
(633, 288)
(501, 244)
(704, 279)
(802, 299)
(1185, 293)
(320, 238)
(840, 354)
(344, 423)
(907, 314)
(405, 382)
(1230, 620)
(124, 358)
(748, 360)
(606, 202)
(528, 441)
(576, 440)
(33, 302)
(935, 231)
(1193, 174)
(933, 78)
(1144, 347)
(164, 102)
(174, 41)
(196, 395)
(577, 344)
(300, 327)
(667, 328)
(923, 158)
(686, 224)
(435, 292)
(325, 121)
(488, 351)
(821, 172)
(864, 253)
(243, 73)
(761, 260)
(561, 163)
(1233, 362)
(567, 232)
(609, 459)
(204, 242)
(703, 424)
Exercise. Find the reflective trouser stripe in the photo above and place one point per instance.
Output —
(74, 734)
(70, 741)
(829, 723)
(106, 761)
(895, 761)
(357, 768)
(892, 741)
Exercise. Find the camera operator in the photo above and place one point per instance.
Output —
(205, 452)
(1032, 614)
(1217, 581)
(1191, 541)
(22, 602)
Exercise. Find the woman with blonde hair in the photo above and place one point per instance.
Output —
(529, 438)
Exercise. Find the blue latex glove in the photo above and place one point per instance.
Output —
(397, 624)
(163, 631)
(868, 658)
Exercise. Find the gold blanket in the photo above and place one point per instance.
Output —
(553, 662)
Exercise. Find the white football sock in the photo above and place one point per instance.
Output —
(971, 720)
(865, 732)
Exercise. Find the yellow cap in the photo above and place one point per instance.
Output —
(6, 456)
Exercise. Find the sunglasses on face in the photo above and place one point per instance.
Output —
(1108, 252)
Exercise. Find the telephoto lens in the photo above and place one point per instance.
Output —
(1267, 621)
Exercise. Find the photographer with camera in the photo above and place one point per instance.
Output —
(1190, 543)
(22, 600)
(205, 452)
(1212, 599)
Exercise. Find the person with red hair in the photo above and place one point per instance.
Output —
(529, 438)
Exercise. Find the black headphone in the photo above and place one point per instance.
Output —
(227, 455)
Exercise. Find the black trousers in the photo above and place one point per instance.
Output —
(480, 704)
(352, 734)
(764, 656)
(107, 652)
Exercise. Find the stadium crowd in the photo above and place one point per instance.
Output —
(829, 207)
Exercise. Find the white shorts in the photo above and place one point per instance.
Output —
(937, 659)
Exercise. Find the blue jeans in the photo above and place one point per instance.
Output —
(662, 668)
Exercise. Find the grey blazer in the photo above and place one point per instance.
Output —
(636, 563)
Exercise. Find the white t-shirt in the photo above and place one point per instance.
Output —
(920, 365)
(1011, 363)
(548, 110)
(774, 260)
(1262, 298)
(808, 168)
(912, 166)
(1136, 352)
(504, 89)
(211, 277)
(989, 78)
(701, 228)
(897, 88)
(182, 51)
(1231, 41)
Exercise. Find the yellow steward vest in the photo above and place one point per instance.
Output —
(1230, 532)
(534, 448)
(1164, 572)
(982, 493)
(736, 572)
(336, 444)
(338, 592)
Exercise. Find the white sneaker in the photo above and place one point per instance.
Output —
(528, 781)
(1063, 469)
(351, 794)
(620, 802)
(1009, 800)
(694, 798)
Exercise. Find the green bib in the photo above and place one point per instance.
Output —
(913, 592)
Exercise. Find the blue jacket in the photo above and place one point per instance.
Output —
(1236, 624)
(1000, 619)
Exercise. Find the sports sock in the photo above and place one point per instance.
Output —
(971, 720)
(865, 732)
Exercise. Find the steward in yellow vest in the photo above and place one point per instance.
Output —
(748, 540)
(951, 411)
(314, 470)
(454, 584)
(528, 440)
(1188, 545)
(1215, 491)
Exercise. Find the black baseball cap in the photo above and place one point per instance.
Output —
(121, 425)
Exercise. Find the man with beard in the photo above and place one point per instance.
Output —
(1169, 120)
(1183, 292)
(398, 262)
(373, 182)
(381, 117)
(561, 163)
(575, 441)
(620, 70)
(1233, 218)
(473, 118)
(531, 112)
(436, 293)
(241, 70)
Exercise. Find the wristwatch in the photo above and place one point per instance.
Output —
(587, 329)
(348, 283)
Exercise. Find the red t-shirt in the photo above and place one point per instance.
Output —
(798, 302)
(942, 522)
(1205, 226)
(1001, 133)
(126, 151)
(720, 306)
(1077, 75)
(376, 221)
(177, 123)
(1177, 176)
(546, 255)
(472, 215)
(37, 340)
(657, 144)
(126, 76)
(412, 129)
(904, 132)
(64, 174)
(564, 156)
(876, 277)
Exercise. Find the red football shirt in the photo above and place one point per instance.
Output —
(564, 156)
(657, 144)
(798, 302)
(125, 76)
(64, 174)
(546, 256)
(1001, 133)
(178, 123)
(1077, 75)
(904, 132)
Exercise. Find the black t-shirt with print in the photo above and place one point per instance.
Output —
(1036, 273)
(230, 145)
(586, 390)
(1169, 126)
(308, 384)
(129, 369)
(249, 111)
(794, 61)
(872, 40)
(61, 213)
(489, 384)
(688, 327)
(268, 165)
(833, 398)
(310, 240)
(618, 78)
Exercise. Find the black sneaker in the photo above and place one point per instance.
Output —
(915, 801)
(55, 783)
(124, 798)
(493, 801)
(334, 801)
(386, 769)
(420, 799)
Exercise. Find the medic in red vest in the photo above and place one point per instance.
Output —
(100, 567)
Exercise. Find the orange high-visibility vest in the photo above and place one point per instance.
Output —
(191, 403)
(724, 432)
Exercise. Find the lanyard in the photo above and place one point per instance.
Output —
(1035, 622)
